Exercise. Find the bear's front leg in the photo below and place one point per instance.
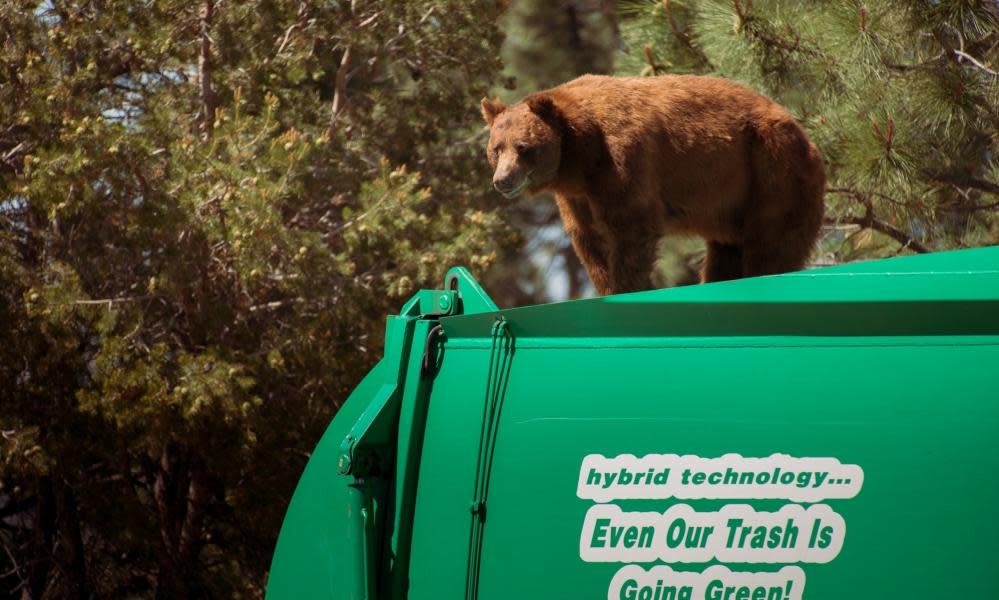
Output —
(590, 247)
(632, 258)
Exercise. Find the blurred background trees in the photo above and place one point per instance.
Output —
(207, 208)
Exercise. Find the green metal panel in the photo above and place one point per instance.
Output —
(315, 554)
(889, 369)
(347, 530)
(927, 447)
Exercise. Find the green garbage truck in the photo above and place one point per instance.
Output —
(820, 435)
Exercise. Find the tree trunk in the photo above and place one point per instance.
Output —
(209, 99)
(72, 555)
(41, 567)
(181, 496)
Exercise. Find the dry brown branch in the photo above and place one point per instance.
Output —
(869, 221)
(742, 11)
(209, 99)
(982, 185)
(680, 34)
(340, 87)
(110, 301)
(300, 21)
(903, 238)
(962, 54)
(654, 67)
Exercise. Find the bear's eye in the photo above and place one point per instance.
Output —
(523, 149)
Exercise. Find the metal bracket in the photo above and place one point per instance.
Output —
(473, 298)
(374, 428)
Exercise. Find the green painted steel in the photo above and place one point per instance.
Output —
(837, 429)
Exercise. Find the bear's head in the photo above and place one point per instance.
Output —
(525, 143)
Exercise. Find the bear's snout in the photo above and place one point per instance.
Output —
(510, 182)
(510, 177)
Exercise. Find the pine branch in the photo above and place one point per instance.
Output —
(678, 33)
(978, 207)
(959, 54)
(971, 59)
(968, 181)
(866, 222)
(869, 221)
(780, 48)
(928, 64)
(654, 67)
(740, 11)
(895, 233)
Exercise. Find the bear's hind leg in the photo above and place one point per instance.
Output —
(722, 263)
(772, 256)
(783, 242)
(784, 215)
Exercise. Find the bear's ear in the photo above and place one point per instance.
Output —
(544, 107)
(491, 109)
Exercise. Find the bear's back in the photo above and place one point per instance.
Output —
(703, 105)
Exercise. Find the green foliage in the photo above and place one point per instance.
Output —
(901, 97)
(206, 210)
(549, 43)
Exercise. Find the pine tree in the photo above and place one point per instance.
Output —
(901, 97)
(549, 43)
(206, 210)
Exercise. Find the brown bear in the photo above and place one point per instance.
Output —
(632, 159)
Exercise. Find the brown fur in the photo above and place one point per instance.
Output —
(631, 159)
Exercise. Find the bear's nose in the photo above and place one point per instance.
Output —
(504, 183)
